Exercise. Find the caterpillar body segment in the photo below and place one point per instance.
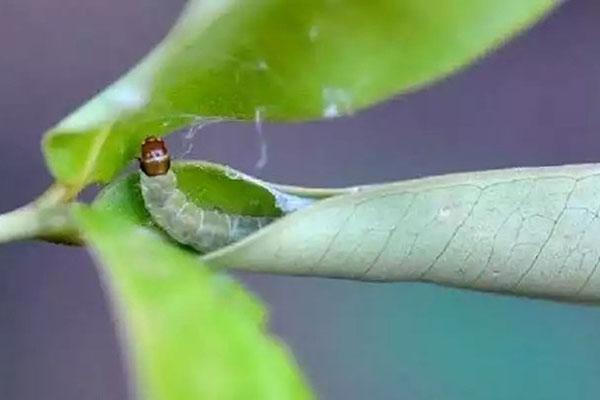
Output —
(189, 224)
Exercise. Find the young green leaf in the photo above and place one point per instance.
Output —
(277, 61)
(189, 333)
(205, 184)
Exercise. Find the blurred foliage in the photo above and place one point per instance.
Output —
(190, 333)
(276, 60)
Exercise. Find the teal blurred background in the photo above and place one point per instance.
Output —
(536, 101)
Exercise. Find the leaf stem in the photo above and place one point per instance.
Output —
(47, 218)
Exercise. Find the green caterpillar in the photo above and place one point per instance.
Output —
(202, 229)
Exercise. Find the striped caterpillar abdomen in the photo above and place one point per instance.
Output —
(169, 207)
(189, 224)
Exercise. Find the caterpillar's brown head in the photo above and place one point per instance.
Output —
(154, 157)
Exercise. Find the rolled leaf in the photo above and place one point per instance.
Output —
(524, 231)
(530, 232)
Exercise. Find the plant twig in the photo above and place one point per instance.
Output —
(47, 218)
(53, 224)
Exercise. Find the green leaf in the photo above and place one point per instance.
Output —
(277, 61)
(205, 184)
(190, 333)
(530, 232)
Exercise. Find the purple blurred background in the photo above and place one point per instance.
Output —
(533, 102)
